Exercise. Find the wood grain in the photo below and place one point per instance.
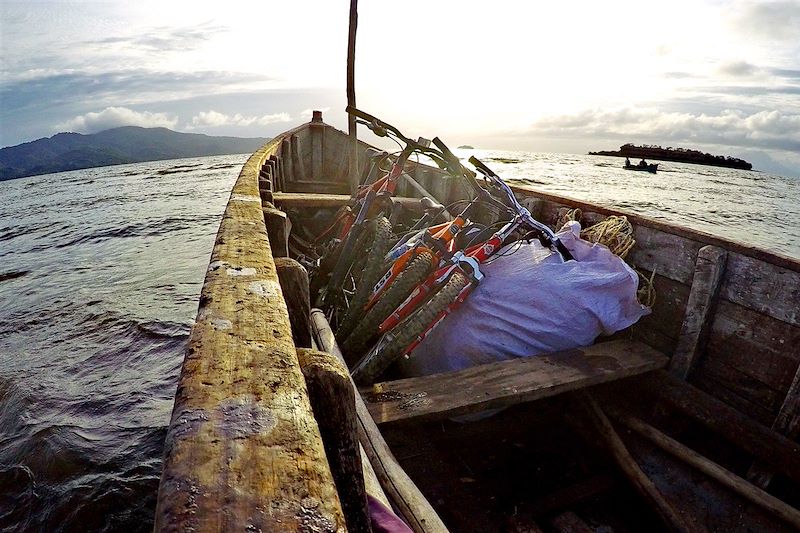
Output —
(506, 383)
(243, 450)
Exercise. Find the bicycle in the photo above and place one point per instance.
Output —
(370, 204)
(448, 286)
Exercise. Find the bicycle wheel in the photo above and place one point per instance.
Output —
(378, 241)
(374, 364)
(367, 328)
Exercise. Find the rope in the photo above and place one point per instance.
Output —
(616, 233)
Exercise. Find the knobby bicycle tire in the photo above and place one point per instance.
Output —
(379, 244)
(366, 372)
(367, 328)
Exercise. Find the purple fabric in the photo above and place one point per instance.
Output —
(383, 519)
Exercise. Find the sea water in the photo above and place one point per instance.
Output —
(100, 273)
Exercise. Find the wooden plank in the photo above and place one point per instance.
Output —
(294, 286)
(739, 429)
(404, 494)
(277, 225)
(740, 383)
(713, 470)
(506, 383)
(242, 437)
(737, 333)
(320, 200)
(767, 288)
(705, 285)
(333, 400)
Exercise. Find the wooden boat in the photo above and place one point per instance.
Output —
(687, 421)
(651, 168)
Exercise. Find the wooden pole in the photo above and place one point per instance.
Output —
(351, 96)
(639, 480)
(401, 490)
(712, 469)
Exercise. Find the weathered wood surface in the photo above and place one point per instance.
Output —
(627, 464)
(277, 228)
(401, 490)
(705, 285)
(737, 334)
(787, 423)
(321, 200)
(744, 432)
(713, 470)
(507, 383)
(333, 401)
(293, 278)
(243, 450)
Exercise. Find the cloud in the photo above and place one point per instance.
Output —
(770, 20)
(119, 87)
(214, 119)
(112, 117)
(738, 69)
(768, 129)
(166, 39)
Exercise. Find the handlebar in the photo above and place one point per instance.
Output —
(523, 213)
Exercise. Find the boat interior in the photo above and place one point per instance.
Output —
(686, 421)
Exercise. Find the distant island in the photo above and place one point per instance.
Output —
(128, 144)
(466, 147)
(681, 155)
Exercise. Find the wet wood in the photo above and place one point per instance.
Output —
(707, 275)
(333, 401)
(277, 227)
(772, 448)
(506, 383)
(293, 278)
(243, 450)
(400, 489)
(713, 470)
(638, 479)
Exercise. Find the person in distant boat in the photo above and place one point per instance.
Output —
(627, 162)
(642, 163)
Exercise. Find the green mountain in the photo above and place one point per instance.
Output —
(128, 144)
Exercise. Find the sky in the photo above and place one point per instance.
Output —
(566, 76)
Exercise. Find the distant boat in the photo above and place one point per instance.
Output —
(466, 147)
(646, 168)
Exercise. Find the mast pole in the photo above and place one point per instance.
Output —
(351, 96)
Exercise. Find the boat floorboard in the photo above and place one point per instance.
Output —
(505, 383)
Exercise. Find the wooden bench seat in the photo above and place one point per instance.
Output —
(320, 200)
(506, 383)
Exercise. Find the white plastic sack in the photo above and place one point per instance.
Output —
(530, 303)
